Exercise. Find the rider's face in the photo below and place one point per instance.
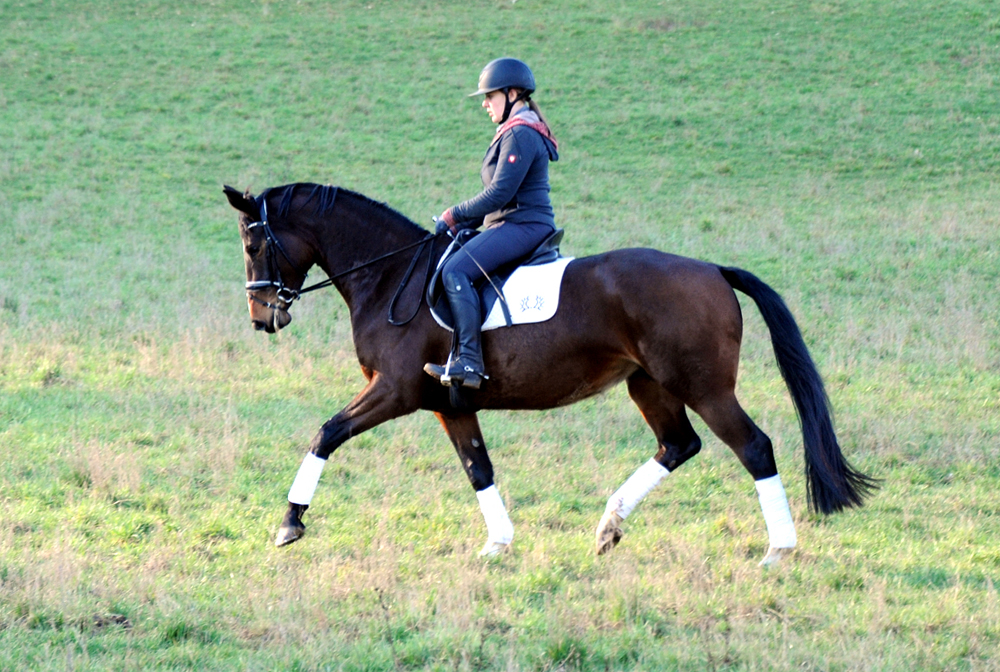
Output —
(493, 103)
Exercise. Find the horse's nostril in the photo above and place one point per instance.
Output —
(259, 325)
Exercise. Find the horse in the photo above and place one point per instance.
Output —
(669, 326)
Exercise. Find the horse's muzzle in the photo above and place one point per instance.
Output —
(267, 316)
(279, 320)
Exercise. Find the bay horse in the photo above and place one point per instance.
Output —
(669, 326)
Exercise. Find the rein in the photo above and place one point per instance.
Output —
(287, 295)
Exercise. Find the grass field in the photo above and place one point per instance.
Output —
(846, 151)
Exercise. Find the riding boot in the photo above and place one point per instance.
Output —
(465, 369)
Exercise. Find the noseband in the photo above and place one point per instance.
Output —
(286, 295)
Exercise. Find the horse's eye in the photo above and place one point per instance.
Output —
(252, 250)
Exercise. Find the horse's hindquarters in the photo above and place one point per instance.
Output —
(675, 318)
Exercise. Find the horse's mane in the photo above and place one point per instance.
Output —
(326, 195)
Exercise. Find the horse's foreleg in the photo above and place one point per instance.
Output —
(753, 448)
(677, 443)
(463, 430)
(376, 404)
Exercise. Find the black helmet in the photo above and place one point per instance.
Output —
(503, 74)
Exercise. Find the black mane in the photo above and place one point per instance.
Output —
(327, 196)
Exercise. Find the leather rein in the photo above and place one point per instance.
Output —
(286, 295)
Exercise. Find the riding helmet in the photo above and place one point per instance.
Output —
(505, 73)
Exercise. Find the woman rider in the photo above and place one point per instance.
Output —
(513, 207)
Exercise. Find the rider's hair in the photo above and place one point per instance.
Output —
(533, 106)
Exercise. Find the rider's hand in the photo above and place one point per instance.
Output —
(441, 226)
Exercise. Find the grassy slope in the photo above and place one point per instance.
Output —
(844, 151)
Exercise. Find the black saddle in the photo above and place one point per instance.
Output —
(546, 252)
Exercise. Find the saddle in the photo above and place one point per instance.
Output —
(546, 253)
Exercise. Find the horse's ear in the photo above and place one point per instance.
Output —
(243, 202)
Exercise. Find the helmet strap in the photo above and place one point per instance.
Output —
(509, 104)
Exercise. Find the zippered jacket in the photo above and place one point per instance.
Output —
(515, 175)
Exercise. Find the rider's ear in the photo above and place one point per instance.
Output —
(243, 202)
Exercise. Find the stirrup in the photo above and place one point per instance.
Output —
(449, 377)
(468, 377)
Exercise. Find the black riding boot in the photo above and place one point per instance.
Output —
(465, 370)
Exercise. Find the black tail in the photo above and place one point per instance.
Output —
(831, 482)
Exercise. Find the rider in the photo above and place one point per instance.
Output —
(514, 207)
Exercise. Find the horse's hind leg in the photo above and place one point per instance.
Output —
(677, 443)
(463, 430)
(727, 419)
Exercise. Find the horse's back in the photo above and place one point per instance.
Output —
(662, 264)
(645, 279)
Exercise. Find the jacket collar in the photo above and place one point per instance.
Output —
(526, 117)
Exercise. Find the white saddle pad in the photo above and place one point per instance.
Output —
(532, 294)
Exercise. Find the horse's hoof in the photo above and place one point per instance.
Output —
(775, 555)
(287, 534)
(493, 549)
(609, 532)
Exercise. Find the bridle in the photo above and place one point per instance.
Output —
(286, 295)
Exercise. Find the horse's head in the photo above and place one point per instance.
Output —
(275, 260)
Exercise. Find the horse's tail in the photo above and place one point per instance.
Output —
(832, 483)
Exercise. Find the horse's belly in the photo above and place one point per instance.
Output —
(555, 386)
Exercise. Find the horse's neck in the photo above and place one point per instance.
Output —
(359, 235)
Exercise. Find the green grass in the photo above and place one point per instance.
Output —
(845, 151)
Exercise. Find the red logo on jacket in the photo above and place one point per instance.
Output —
(512, 158)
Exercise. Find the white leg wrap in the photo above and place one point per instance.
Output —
(638, 485)
(304, 485)
(777, 515)
(498, 525)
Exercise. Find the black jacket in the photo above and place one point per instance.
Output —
(515, 176)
